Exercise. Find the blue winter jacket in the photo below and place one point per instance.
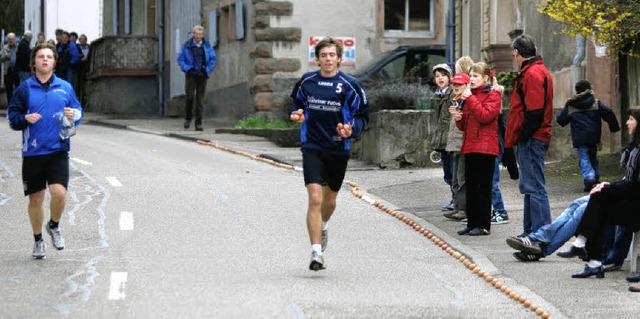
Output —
(185, 59)
(43, 136)
(584, 112)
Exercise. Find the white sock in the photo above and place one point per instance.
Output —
(317, 248)
(580, 242)
(325, 225)
(594, 263)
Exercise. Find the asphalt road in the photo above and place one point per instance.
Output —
(165, 228)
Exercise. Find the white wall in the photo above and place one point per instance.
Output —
(81, 16)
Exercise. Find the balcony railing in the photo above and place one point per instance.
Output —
(131, 56)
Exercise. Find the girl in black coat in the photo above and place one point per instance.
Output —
(616, 203)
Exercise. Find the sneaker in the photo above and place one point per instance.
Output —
(500, 218)
(317, 262)
(457, 215)
(38, 250)
(187, 124)
(325, 239)
(56, 237)
(524, 257)
(449, 206)
(464, 221)
(198, 127)
(525, 244)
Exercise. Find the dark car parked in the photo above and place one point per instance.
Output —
(402, 78)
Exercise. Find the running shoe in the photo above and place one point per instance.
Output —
(56, 237)
(317, 262)
(499, 218)
(38, 250)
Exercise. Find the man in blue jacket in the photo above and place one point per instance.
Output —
(197, 59)
(46, 110)
(332, 108)
(584, 112)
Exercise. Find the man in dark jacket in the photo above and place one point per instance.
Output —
(23, 55)
(197, 59)
(584, 112)
(529, 128)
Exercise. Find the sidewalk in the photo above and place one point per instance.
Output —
(419, 193)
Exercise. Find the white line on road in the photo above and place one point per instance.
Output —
(116, 291)
(81, 161)
(113, 181)
(126, 221)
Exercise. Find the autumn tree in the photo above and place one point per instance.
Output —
(615, 23)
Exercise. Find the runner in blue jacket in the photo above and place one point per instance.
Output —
(332, 107)
(46, 110)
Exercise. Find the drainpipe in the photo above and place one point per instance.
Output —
(451, 28)
(577, 70)
(160, 19)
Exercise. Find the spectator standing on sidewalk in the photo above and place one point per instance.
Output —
(478, 120)
(23, 54)
(332, 108)
(8, 57)
(45, 108)
(529, 130)
(458, 210)
(440, 102)
(68, 57)
(584, 112)
(197, 60)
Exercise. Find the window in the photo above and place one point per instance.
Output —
(409, 18)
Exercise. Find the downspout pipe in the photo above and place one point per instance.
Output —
(579, 57)
(451, 28)
(160, 19)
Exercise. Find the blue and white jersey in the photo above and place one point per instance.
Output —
(42, 137)
(327, 101)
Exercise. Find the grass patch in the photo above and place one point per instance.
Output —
(264, 122)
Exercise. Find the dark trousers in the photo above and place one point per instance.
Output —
(194, 89)
(606, 207)
(11, 82)
(479, 181)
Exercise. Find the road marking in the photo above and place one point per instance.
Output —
(113, 181)
(116, 290)
(81, 161)
(126, 221)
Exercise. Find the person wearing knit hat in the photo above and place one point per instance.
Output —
(440, 101)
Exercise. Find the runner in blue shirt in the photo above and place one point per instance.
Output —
(332, 107)
(46, 110)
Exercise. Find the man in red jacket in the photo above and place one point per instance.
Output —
(529, 128)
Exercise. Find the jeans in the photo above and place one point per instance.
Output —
(588, 162)
(496, 195)
(447, 167)
(555, 234)
(531, 155)
(616, 244)
(458, 182)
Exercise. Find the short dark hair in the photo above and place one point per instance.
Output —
(582, 86)
(73, 33)
(327, 42)
(525, 45)
(635, 138)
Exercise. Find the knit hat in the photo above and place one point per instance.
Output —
(442, 67)
(461, 78)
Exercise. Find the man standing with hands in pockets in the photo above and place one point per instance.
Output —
(46, 110)
(332, 108)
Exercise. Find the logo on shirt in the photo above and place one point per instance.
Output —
(60, 91)
(324, 83)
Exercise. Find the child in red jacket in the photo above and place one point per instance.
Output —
(478, 120)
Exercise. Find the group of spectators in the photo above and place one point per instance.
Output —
(71, 66)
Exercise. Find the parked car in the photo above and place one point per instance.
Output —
(402, 78)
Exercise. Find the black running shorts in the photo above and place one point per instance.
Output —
(324, 168)
(42, 170)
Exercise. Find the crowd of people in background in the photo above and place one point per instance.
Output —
(71, 66)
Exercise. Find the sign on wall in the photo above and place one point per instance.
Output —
(348, 54)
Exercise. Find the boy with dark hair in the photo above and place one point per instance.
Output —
(583, 111)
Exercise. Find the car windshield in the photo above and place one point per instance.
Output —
(360, 71)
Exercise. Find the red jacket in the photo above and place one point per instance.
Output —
(531, 110)
(479, 122)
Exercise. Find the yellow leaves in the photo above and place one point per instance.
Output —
(596, 19)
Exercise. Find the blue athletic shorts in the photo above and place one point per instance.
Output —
(324, 168)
